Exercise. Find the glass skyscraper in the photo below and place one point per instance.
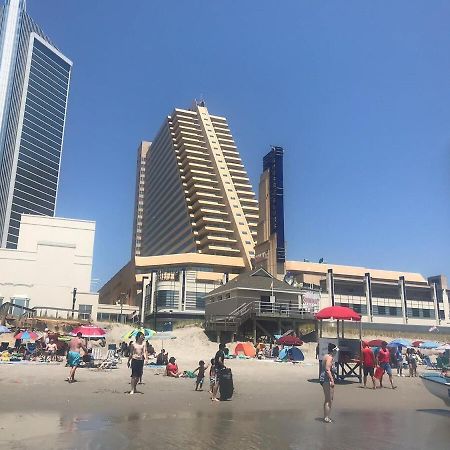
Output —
(34, 85)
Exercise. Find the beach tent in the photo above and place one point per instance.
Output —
(291, 354)
(245, 348)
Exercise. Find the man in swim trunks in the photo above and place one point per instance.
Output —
(74, 357)
(138, 355)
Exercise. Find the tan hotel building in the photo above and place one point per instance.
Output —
(199, 225)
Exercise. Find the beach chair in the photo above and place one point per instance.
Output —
(108, 363)
(430, 365)
(97, 355)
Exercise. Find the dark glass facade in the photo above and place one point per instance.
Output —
(273, 162)
(33, 128)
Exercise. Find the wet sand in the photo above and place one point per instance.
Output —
(275, 406)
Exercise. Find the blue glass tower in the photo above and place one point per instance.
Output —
(34, 85)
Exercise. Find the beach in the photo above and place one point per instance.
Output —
(275, 406)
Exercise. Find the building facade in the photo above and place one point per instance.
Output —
(380, 296)
(139, 197)
(34, 86)
(270, 252)
(198, 198)
(170, 287)
(53, 256)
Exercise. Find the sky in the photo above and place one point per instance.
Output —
(357, 93)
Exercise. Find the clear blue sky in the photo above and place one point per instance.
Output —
(357, 92)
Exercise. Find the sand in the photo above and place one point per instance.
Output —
(275, 406)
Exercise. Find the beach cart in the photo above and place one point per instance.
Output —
(348, 364)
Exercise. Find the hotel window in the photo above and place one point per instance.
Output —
(84, 312)
(426, 313)
(382, 310)
(415, 312)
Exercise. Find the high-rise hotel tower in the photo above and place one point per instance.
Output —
(34, 84)
(197, 196)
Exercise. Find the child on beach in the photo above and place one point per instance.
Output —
(212, 376)
(201, 375)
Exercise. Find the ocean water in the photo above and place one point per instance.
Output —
(226, 428)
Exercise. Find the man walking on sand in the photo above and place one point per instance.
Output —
(74, 357)
(384, 359)
(368, 359)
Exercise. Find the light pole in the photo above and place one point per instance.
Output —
(74, 299)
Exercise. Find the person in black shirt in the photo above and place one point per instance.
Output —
(219, 364)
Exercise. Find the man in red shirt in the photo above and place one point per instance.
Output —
(384, 359)
(368, 360)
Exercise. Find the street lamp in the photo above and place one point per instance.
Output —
(74, 299)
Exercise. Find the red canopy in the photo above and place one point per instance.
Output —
(88, 331)
(338, 313)
(289, 340)
(416, 343)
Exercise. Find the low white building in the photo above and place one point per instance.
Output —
(54, 255)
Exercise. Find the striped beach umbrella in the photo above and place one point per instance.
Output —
(27, 336)
(147, 332)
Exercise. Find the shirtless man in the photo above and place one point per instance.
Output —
(74, 357)
(138, 354)
(51, 349)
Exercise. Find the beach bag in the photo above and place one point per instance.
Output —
(379, 372)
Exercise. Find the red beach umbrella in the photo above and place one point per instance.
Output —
(338, 313)
(417, 343)
(376, 343)
(88, 331)
(290, 340)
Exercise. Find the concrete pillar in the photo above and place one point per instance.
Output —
(434, 296)
(368, 292)
(402, 288)
(330, 286)
(279, 326)
(218, 337)
(446, 304)
(254, 331)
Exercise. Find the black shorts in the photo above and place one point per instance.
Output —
(137, 368)
(368, 371)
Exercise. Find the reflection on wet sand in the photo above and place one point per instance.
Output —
(227, 429)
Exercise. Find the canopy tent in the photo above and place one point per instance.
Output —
(349, 364)
(245, 348)
(291, 354)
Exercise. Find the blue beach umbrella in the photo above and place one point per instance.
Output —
(429, 345)
(400, 342)
(4, 329)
